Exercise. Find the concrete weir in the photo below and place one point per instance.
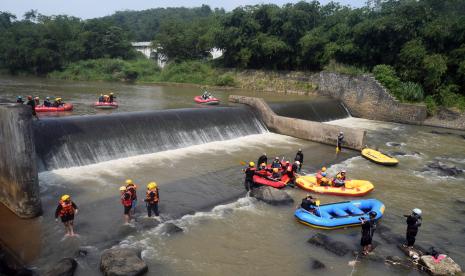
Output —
(303, 129)
(19, 187)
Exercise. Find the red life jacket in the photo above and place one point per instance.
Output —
(126, 202)
(148, 197)
(132, 191)
(66, 208)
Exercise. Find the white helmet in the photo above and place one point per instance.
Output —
(416, 211)
(341, 132)
(297, 162)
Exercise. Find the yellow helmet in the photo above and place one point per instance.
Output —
(323, 169)
(57, 99)
(65, 197)
(129, 181)
(275, 170)
(152, 185)
(251, 164)
(122, 188)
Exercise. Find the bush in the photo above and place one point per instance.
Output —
(333, 66)
(450, 97)
(431, 105)
(410, 91)
(226, 80)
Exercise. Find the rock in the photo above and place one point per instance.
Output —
(65, 267)
(122, 261)
(337, 247)
(400, 262)
(460, 201)
(397, 153)
(393, 144)
(171, 228)
(272, 196)
(444, 169)
(446, 266)
(317, 264)
(147, 223)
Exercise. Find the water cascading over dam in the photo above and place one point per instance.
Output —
(318, 110)
(82, 140)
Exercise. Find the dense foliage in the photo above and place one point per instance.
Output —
(416, 48)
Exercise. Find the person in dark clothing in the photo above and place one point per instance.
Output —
(368, 230)
(262, 159)
(340, 140)
(19, 99)
(126, 200)
(112, 97)
(32, 104)
(276, 174)
(291, 175)
(413, 222)
(276, 163)
(47, 102)
(66, 210)
(100, 98)
(308, 204)
(295, 166)
(299, 156)
(249, 173)
(152, 197)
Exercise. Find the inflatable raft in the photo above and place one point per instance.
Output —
(211, 101)
(351, 187)
(340, 214)
(378, 157)
(103, 105)
(65, 107)
(279, 184)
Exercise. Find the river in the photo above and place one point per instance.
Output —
(225, 231)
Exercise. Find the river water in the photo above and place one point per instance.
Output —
(225, 231)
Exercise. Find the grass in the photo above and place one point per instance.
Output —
(333, 66)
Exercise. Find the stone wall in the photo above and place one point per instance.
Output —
(19, 187)
(309, 130)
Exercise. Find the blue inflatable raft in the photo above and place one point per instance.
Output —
(340, 214)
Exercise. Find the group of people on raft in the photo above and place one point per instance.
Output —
(35, 101)
(206, 95)
(106, 98)
(67, 209)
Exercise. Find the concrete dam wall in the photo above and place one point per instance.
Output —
(303, 129)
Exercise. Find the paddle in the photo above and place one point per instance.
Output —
(317, 202)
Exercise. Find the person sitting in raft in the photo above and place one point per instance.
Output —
(319, 175)
(66, 210)
(276, 163)
(324, 181)
(47, 102)
(58, 102)
(37, 101)
(263, 172)
(206, 95)
(308, 204)
(338, 181)
(106, 98)
(111, 97)
(19, 99)
(262, 159)
(276, 174)
(100, 98)
(295, 166)
(291, 175)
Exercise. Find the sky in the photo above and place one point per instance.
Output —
(96, 8)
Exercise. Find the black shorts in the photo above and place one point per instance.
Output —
(127, 209)
(67, 217)
(366, 240)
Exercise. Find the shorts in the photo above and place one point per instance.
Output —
(127, 209)
(67, 217)
(366, 240)
(134, 203)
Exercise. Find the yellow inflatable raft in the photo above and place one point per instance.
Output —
(378, 157)
(351, 187)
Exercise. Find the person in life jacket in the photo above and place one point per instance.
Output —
(276, 175)
(132, 188)
(111, 98)
(100, 98)
(36, 101)
(249, 173)
(308, 204)
(295, 166)
(47, 102)
(152, 197)
(262, 159)
(299, 156)
(276, 163)
(291, 175)
(66, 210)
(263, 172)
(319, 175)
(126, 200)
(324, 181)
(19, 99)
(106, 98)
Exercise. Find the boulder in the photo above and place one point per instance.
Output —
(272, 196)
(393, 144)
(444, 169)
(397, 153)
(147, 223)
(446, 266)
(65, 267)
(316, 264)
(122, 261)
(171, 228)
(337, 247)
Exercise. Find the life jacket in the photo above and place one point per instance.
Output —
(126, 202)
(148, 197)
(132, 190)
(66, 208)
(340, 176)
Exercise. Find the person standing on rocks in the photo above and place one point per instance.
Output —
(368, 230)
(413, 222)
(299, 156)
(151, 199)
(340, 140)
(262, 159)
(66, 210)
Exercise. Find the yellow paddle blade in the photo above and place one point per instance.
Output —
(243, 163)
(317, 202)
(337, 149)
